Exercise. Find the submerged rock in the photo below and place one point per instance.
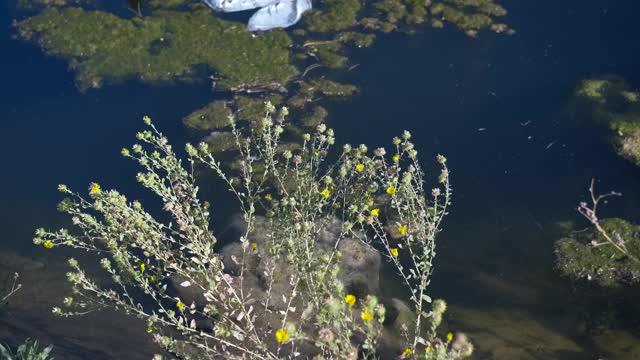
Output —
(510, 334)
(359, 264)
(11, 262)
(272, 14)
(617, 344)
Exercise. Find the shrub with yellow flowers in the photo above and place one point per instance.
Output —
(151, 264)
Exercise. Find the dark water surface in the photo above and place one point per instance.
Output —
(494, 106)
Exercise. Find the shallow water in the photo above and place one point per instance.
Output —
(493, 105)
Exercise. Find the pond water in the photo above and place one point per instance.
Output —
(493, 105)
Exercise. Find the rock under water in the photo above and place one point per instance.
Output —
(272, 13)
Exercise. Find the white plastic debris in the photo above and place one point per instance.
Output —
(271, 14)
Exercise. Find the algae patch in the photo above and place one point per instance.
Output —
(586, 255)
(249, 110)
(166, 46)
(178, 41)
(337, 22)
(609, 102)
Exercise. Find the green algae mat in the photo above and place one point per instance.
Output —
(166, 46)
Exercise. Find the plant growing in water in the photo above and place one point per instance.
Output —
(607, 254)
(30, 350)
(15, 286)
(200, 304)
(590, 213)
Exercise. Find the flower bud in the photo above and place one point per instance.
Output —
(191, 151)
(269, 108)
(439, 306)
(203, 147)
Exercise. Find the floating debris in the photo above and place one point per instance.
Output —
(272, 14)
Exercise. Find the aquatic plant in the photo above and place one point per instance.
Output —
(609, 102)
(167, 45)
(173, 40)
(608, 254)
(29, 350)
(246, 108)
(13, 288)
(334, 16)
(277, 291)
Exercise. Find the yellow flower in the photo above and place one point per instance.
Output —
(429, 349)
(254, 246)
(326, 192)
(360, 167)
(282, 335)
(142, 267)
(374, 212)
(149, 330)
(94, 189)
(449, 336)
(394, 252)
(408, 351)
(180, 305)
(48, 244)
(366, 315)
(402, 229)
(391, 190)
(350, 299)
(153, 278)
(396, 158)
(268, 197)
